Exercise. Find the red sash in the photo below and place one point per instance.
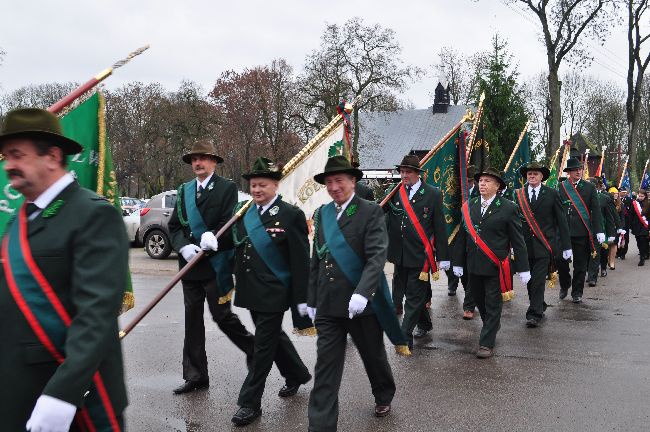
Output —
(530, 218)
(428, 243)
(48, 319)
(505, 275)
(637, 210)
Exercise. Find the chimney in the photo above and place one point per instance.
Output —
(441, 98)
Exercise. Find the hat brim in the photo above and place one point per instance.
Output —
(397, 167)
(546, 173)
(273, 175)
(502, 184)
(357, 173)
(69, 146)
(187, 157)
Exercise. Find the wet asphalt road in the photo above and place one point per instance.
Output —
(587, 368)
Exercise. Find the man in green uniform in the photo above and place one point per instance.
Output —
(417, 241)
(204, 205)
(347, 270)
(469, 307)
(544, 227)
(609, 227)
(64, 270)
(491, 227)
(272, 271)
(580, 201)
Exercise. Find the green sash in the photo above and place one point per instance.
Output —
(264, 246)
(352, 266)
(221, 261)
(580, 206)
(49, 320)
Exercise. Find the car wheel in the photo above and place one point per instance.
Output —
(157, 245)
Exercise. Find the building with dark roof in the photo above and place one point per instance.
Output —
(385, 137)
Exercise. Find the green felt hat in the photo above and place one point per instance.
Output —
(264, 167)
(338, 165)
(573, 164)
(410, 161)
(38, 124)
(492, 173)
(535, 166)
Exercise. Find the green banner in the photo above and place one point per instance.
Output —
(521, 156)
(93, 167)
(442, 171)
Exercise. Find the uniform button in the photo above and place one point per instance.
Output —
(248, 270)
(331, 279)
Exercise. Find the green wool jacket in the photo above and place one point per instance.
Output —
(258, 288)
(215, 204)
(82, 250)
(589, 195)
(500, 228)
(365, 231)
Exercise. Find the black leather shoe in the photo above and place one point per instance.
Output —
(563, 293)
(592, 283)
(245, 416)
(451, 293)
(288, 390)
(603, 273)
(532, 323)
(577, 300)
(419, 333)
(190, 386)
(410, 344)
(641, 262)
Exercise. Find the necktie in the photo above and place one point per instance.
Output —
(484, 205)
(198, 192)
(31, 208)
(338, 209)
(259, 210)
(408, 191)
(534, 197)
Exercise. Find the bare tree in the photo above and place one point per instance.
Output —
(354, 60)
(575, 98)
(637, 64)
(35, 96)
(462, 72)
(564, 24)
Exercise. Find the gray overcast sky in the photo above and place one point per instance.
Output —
(72, 40)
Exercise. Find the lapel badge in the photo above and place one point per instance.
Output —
(274, 210)
(277, 223)
(426, 210)
(211, 186)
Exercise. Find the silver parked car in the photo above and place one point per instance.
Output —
(153, 232)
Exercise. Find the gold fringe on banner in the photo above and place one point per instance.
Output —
(309, 331)
(552, 280)
(403, 350)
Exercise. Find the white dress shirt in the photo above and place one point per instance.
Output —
(203, 183)
(485, 204)
(530, 191)
(344, 206)
(50, 193)
(266, 206)
(414, 189)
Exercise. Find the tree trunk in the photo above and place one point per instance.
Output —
(555, 114)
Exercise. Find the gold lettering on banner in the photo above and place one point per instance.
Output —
(309, 188)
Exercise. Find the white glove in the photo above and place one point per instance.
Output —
(188, 252)
(567, 254)
(311, 312)
(209, 241)
(600, 237)
(444, 265)
(458, 271)
(610, 239)
(524, 277)
(51, 415)
(302, 309)
(621, 231)
(357, 305)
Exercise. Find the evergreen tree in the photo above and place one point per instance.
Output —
(504, 111)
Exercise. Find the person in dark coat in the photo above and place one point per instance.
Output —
(341, 307)
(415, 210)
(491, 227)
(469, 307)
(544, 227)
(580, 201)
(625, 215)
(640, 212)
(272, 271)
(61, 288)
(203, 206)
(608, 224)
